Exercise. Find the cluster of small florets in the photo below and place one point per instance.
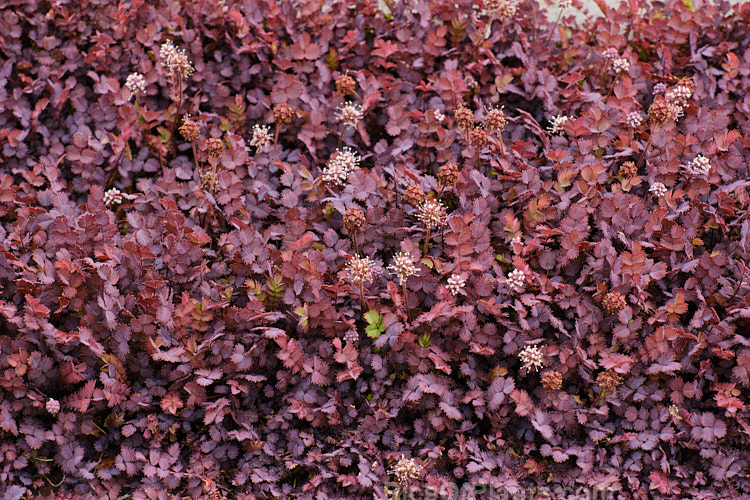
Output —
(565, 4)
(439, 116)
(431, 213)
(189, 130)
(681, 93)
(136, 83)
(503, 9)
(345, 85)
(413, 195)
(175, 61)
(620, 65)
(628, 170)
(349, 114)
(342, 163)
(611, 54)
(282, 114)
(406, 470)
(464, 118)
(556, 124)
(351, 336)
(53, 406)
(261, 136)
(552, 380)
(448, 174)
(112, 197)
(403, 266)
(354, 220)
(660, 88)
(478, 137)
(516, 280)
(456, 284)
(674, 412)
(700, 165)
(658, 189)
(663, 111)
(614, 302)
(532, 358)
(608, 380)
(215, 147)
(634, 119)
(496, 119)
(360, 270)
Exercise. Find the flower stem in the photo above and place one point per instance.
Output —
(406, 301)
(559, 15)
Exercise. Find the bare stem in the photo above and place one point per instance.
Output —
(406, 301)
(645, 148)
(197, 160)
(426, 240)
(276, 136)
(559, 15)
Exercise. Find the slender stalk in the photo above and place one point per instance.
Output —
(426, 240)
(276, 136)
(645, 148)
(362, 299)
(197, 160)
(406, 301)
(341, 135)
(559, 15)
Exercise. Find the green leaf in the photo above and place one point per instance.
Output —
(425, 340)
(375, 324)
(689, 4)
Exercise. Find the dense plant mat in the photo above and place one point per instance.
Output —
(351, 250)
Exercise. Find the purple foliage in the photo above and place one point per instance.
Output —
(180, 315)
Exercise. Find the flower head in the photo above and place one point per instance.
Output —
(565, 4)
(478, 137)
(614, 302)
(620, 65)
(342, 163)
(556, 124)
(634, 119)
(456, 284)
(663, 111)
(611, 54)
(261, 136)
(439, 116)
(354, 219)
(53, 406)
(448, 174)
(413, 195)
(175, 61)
(700, 165)
(532, 357)
(282, 114)
(189, 130)
(112, 197)
(552, 380)
(349, 114)
(628, 170)
(431, 213)
(136, 83)
(660, 88)
(360, 270)
(345, 85)
(658, 189)
(503, 9)
(215, 147)
(608, 380)
(516, 280)
(496, 119)
(406, 470)
(403, 266)
(351, 336)
(464, 118)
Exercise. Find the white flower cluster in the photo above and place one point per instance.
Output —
(658, 189)
(112, 197)
(439, 116)
(175, 61)
(53, 406)
(431, 213)
(611, 54)
(516, 280)
(456, 284)
(360, 270)
(503, 9)
(565, 4)
(406, 470)
(261, 136)
(342, 163)
(349, 114)
(620, 65)
(136, 83)
(556, 124)
(532, 358)
(680, 94)
(634, 119)
(700, 165)
(403, 266)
